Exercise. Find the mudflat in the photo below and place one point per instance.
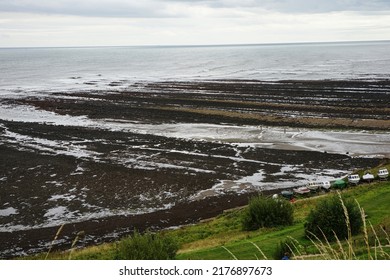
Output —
(163, 154)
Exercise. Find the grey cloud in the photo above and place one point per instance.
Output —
(323, 6)
(162, 8)
(293, 6)
(101, 8)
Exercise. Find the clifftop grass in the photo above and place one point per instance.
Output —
(374, 199)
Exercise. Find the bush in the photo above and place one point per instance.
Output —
(265, 212)
(328, 219)
(148, 246)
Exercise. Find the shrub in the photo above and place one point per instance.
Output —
(328, 219)
(148, 246)
(265, 212)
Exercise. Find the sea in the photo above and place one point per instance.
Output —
(77, 68)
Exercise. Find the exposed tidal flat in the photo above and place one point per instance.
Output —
(162, 154)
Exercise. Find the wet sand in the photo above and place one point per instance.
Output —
(107, 162)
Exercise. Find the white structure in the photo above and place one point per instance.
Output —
(383, 173)
(354, 179)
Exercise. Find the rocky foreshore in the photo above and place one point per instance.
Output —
(157, 155)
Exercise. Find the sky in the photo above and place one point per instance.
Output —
(56, 23)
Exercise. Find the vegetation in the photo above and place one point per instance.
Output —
(148, 246)
(334, 217)
(284, 247)
(265, 212)
(224, 238)
(372, 243)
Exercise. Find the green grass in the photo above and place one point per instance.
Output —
(374, 199)
(222, 237)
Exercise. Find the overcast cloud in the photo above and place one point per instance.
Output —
(134, 22)
(167, 8)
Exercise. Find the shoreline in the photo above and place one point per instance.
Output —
(145, 147)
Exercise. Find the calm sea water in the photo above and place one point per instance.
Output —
(29, 69)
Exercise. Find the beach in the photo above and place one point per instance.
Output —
(155, 155)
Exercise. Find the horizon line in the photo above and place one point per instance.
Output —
(201, 45)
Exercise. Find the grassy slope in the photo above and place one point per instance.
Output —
(374, 199)
(207, 240)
